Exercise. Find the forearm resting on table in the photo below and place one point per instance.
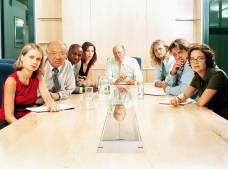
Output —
(10, 118)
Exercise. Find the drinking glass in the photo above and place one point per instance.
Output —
(88, 97)
(104, 87)
(89, 93)
(140, 90)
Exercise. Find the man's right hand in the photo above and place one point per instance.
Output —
(161, 84)
(120, 79)
(55, 96)
(177, 66)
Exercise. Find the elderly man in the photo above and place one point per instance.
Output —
(59, 75)
(122, 68)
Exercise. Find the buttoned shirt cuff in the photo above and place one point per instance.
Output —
(167, 89)
(59, 95)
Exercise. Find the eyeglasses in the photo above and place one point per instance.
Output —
(198, 59)
(57, 53)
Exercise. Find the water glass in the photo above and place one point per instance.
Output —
(88, 96)
(140, 90)
(89, 93)
(103, 86)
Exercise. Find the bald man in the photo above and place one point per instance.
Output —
(59, 74)
(122, 68)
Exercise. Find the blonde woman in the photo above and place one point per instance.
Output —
(20, 88)
(163, 61)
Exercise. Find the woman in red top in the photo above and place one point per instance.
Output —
(20, 88)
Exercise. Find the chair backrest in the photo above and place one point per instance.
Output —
(5, 70)
(11, 61)
(139, 60)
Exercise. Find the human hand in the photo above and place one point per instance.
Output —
(53, 108)
(164, 85)
(175, 101)
(55, 96)
(81, 78)
(178, 64)
(121, 79)
(161, 84)
(130, 82)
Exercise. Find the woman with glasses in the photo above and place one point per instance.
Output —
(209, 81)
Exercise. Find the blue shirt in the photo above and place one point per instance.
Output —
(162, 71)
(179, 82)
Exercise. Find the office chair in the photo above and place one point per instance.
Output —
(5, 70)
(11, 61)
(139, 60)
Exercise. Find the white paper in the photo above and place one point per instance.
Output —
(155, 92)
(188, 101)
(45, 109)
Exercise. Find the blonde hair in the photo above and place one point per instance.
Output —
(18, 65)
(155, 60)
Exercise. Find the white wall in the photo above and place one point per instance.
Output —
(135, 23)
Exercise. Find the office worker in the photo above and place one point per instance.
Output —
(59, 75)
(74, 55)
(122, 68)
(20, 88)
(89, 58)
(163, 61)
(181, 73)
(209, 81)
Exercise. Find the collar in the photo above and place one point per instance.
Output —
(123, 61)
(51, 67)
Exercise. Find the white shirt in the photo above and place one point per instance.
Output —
(65, 77)
(130, 67)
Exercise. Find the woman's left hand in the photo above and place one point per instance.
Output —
(54, 107)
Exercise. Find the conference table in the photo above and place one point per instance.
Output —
(183, 137)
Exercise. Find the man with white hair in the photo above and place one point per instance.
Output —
(59, 74)
(123, 69)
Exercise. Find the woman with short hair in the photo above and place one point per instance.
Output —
(209, 81)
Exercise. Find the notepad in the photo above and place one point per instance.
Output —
(45, 108)
(188, 101)
(155, 92)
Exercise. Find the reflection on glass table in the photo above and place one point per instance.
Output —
(122, 94)
(120, 132)
(121, 124)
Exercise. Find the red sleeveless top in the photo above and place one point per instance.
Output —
(25, 96)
